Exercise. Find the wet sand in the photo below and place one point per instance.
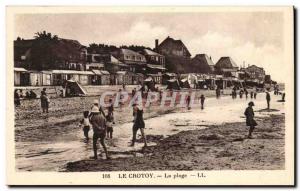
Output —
(47, 142)
(218, 147)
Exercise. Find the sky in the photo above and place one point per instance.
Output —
(247, 37)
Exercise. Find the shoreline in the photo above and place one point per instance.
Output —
(218, 147)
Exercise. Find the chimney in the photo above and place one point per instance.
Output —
(156, 44)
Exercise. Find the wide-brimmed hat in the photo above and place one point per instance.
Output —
(251, 103)
(95, 109)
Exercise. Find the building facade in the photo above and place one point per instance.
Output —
(255, 73)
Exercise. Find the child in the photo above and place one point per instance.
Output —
(86, 124)
(109, 125)
(249, 113)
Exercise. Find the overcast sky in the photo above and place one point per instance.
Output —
(253, 38)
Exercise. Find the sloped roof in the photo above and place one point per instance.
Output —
(254, 66)
(226, 62)
(151, 53)
(202, 63)
(177, 44)
(114, 60)
(130, 52)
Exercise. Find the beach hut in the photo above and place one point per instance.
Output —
(83, 77)
(46, 78)
(167, 76)
(21, 77)
(105, 77)
(149, 82)
(173, 84)
(100, 77)
(184, 83)
(35, 78)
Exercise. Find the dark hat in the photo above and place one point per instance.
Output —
(251, 103)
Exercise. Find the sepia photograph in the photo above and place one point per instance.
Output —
(150, 95)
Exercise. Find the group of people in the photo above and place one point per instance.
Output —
(102, 125)
(243, 91)
(249, 113)
(18, 96)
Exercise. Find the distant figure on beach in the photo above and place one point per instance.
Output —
(241, 93)
(255, 93)
(110, 108)
(123, 85)
(202, 99)
(233, 93)
(160, 95)
(246, 93)
(188, 101)
(251, 94)
(17, 98)
(138, 124)
(109, 126)
(283, 97)
(133, 92)
(99, 127)
(218, 92)
(85, 125)
(249, 113)
(44, 101)
(268, 98)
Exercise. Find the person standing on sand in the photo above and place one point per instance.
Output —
(249, 113)
(241, 94)
(283, 97)
(188, 101)
(251, 94)
(202, 99)
(44, 101)
(17, 98)
(109, 126)
(99, 127)
(246, 93)
(110, 108)
(268, 98)
(138, 123)
(85, 124)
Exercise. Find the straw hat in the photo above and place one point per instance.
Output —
(95, 109)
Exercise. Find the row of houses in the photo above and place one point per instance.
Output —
(68, 59)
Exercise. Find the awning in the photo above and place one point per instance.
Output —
(148, 80)
(20, 70)
(72, 72)
(97, 72)
(121, 72)
(104, 72)
(95, 64)
(183, 80)
(170, 74)
(101, 72)
(153, 66)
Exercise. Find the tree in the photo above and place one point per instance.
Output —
(43, 56)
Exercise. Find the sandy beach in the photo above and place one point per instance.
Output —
(220, 147)
(213, 138)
